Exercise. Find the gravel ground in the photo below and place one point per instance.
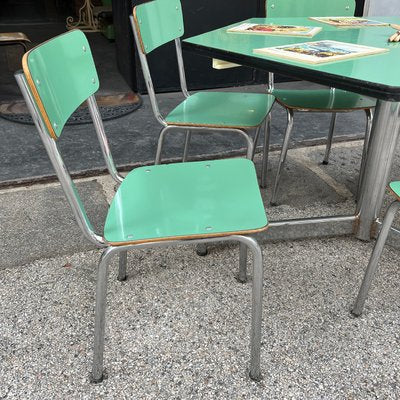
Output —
(178, 328)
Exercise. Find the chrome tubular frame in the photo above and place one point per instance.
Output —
(58, 164)
(282, 157)
(147, 76)
(271, 83)
(181, 66)
(257, 293)
(381, 150)
(101, 135)
(170, 128)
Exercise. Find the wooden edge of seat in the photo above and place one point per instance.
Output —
(393, 193)
(189, 237)
(213, 125)
(34, 91)
(305, 109)
(138, 29)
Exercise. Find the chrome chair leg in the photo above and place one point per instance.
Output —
(186, 149)
(101, 292)
(256, 136)
(256, 319)
(160, 145)
(285, 146)
(329, 140)
(373, 261)
(267, 134)
(122, 266)
(242, 275)
(369, 113)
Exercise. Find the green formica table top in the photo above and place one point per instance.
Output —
(374, 75)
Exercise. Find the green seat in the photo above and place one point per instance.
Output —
(158, 22)
(321, 100)
(191, 203)
(394, 188)
(179, 200)
(221, 109)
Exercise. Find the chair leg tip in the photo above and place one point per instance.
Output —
(241, 279)
(325, 162)
(273, 203)
(201, 250)
(257, 377)
(122, 278)
(356, 313)
(100, 379)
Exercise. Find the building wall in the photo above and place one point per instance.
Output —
(382, 7)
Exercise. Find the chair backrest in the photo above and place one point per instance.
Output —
(309, 8)
(58, 76)
(158, 22)
(61, 75)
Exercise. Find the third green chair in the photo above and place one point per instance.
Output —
(329, 100)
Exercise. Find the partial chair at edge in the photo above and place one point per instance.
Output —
(321, 100)
(161, 205)
(372, 266)
(158, 22)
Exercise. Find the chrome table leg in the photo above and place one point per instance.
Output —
(381, 150)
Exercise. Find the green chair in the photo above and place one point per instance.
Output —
(158, 22)
(161, 205)
(394, 188)
(326, 100)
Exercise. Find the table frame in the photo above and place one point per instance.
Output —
(364, 223)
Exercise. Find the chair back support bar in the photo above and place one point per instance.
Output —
(309, 8)
(61, 170)
(58, 76)
(61, 75)
(158, 22)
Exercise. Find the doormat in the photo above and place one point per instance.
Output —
(110, 106)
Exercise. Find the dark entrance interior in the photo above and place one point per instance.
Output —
(117, 63)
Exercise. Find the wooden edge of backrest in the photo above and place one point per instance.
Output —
(139, 35)
(33, 89)
(36, 95)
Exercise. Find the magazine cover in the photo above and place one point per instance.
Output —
(348, 21)
(320, 52)
(262, 29)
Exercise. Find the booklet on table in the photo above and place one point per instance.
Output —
(349, 21)
(319, 52)
(272, 29)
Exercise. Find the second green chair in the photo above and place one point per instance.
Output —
(160, 21)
